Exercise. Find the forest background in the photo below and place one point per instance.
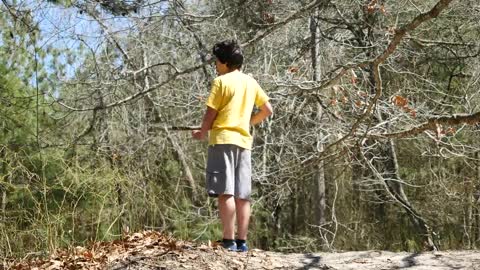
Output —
(374, 143)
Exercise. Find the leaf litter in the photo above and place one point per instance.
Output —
(155, 250)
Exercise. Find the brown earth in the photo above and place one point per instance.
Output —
(153, 250)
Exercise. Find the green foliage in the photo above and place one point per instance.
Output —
(15, 110)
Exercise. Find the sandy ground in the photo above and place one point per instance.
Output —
(380, 260)
(365, 260)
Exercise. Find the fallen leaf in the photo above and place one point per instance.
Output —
(88, 255)
(137, 236)
(400, 101)
(382, 9)
(193, 256)
(450, 131)
(293, 69)
(413, 113)
(204, 247)
(55, 265)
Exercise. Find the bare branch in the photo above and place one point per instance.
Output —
(136, 95)
(400, 33)
(177, 73)
(432, 124)
(275, 26)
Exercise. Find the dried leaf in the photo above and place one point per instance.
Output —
(55, 265)
(88, 255)
(137, 236)
(382, 9)
(371, 7)
(193, 256)
(400, 101)
(172, 244)
(293, 69)
(439, 131)
(450, 131)
(79, 250)
(413, 113)
(205, 247)
(362, 94)
(354, 77)
(214, 244)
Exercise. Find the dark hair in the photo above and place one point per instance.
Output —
(229, 52)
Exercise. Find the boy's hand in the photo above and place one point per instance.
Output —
(265, 111)
(197, 135)
(208, 118)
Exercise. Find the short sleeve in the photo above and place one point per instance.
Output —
(261, 98)
(215, 98)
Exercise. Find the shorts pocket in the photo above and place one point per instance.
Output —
(216, 182)
(215, 177)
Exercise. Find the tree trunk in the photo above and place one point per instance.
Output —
(180, 155)
(468, 222)
(294, 209)
(476, 205)
(3, 188)
(357, 175)
(385, 165)
(395, 188)
(386, 168)
(319, 176)
(154, 115)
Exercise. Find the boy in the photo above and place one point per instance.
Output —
(228, 117)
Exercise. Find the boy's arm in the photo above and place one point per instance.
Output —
(207, 123)
(265, 111)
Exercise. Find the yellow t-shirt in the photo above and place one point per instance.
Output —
(233, 96)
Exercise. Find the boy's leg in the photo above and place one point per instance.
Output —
(243, 190)
(226, 207)
(220, 176)
(243, 217)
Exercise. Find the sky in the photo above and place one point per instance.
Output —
(66, 28)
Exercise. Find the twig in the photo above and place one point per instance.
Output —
(182, 128)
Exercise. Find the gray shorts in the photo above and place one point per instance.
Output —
(229, 171)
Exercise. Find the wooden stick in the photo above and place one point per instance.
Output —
(180, 128)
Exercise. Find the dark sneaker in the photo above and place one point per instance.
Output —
(242, 247)
(230, 245)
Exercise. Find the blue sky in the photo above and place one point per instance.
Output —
(66, 28)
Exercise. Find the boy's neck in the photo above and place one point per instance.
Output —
(230, 71)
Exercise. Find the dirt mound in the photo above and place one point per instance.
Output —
(153, 250)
